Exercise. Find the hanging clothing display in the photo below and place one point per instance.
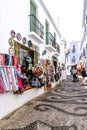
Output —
(1, 59)
(6, 59)
(8, 79)
(9, 60)
(4, 78)
(2, 86)
(8, 71)
(14, 77)
(14, 60)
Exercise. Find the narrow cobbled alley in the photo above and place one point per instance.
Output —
(62, 108)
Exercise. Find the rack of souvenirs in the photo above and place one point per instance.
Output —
(38, 76)
(11, 78)
(49, 71)
(7, 59)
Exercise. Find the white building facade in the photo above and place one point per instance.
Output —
(26, 27)
(83, 46)
(74, 52)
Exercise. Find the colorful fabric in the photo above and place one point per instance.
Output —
(3, 76)
(9, 75)
(19, 83)
(2, 86)
(14, 79)
(1, 59)
(9, 60)
(6, 78)
(6, 59)
(14, 60)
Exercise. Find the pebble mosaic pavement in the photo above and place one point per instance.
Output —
(62, 108)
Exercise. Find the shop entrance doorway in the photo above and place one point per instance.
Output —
(54, 62)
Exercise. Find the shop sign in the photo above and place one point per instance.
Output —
(30, 43)
(18, 36)
(13, 34)
(11, 42)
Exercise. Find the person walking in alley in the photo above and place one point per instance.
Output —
(58, 73)
(74, 73)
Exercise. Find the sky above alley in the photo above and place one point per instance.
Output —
(68, 15)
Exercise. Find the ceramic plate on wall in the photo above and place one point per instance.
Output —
(24, 40)
(11, 42)
(18, 36)
(12, 33)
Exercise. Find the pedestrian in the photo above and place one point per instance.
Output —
(58, 73)
(74, 73)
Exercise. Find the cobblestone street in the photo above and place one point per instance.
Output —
(62, 108)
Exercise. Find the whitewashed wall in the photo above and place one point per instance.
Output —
(14, 16)
(76, 53)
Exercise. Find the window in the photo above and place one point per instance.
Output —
(73, 59)
(73, 50)
(73, 46)
(33, 18)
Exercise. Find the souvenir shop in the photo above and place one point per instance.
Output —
(14, 66)
(20, 70)
(15, 72)
(10, 74)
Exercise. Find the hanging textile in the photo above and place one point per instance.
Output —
(6, 59)
(4, 78)
(1, 59)
(14, 79)
(14, 60)
(8, 79)
(9, 76)
(2, 86)
(9, 60)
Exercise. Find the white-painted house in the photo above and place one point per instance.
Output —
(83, 46)
(27, 27)
(74, 52)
